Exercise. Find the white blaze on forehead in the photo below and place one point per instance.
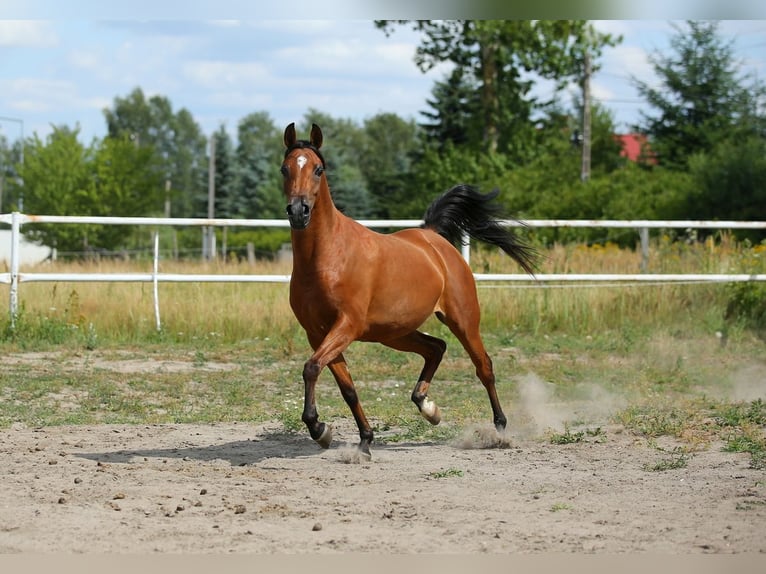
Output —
(301, 161)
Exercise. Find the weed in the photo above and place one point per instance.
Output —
(678, 459)
(199, 358)
(750, 504)
(291, 420)
(652, 421)
(747, 300)
(567, 437)
(448, 473)
(737, 414)
(751, 441)
(559, 506)
(417, 429)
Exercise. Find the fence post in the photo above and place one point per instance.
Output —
(643, 233)
(466, 247)
(155, 280)
(15, 254)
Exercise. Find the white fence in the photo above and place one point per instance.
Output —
(14, 277)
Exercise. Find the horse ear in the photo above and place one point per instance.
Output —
(290, 136)
(316, 136)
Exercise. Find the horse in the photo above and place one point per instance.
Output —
(350, 283)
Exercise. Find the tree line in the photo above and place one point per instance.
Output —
(705, 153)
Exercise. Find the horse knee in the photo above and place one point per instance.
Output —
(441, 347)
(311, 370)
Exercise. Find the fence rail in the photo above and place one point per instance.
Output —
(14, 277)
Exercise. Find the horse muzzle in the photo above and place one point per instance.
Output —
(298, 213)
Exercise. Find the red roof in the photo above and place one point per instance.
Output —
(635, 147)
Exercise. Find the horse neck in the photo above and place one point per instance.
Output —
(318, 236)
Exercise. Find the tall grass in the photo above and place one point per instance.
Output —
(203, 313)
(122, 313)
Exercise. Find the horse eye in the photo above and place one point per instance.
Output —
(283, 170)
(318, 171)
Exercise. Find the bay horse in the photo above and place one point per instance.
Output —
(350, 283)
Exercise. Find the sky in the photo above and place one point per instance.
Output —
(66, 71)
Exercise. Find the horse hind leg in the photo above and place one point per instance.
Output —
(467, 332)
(432, 350)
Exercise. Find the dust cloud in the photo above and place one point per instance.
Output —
(539, 411)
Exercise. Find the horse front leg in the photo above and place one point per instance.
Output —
(319, 431)
(326, 351)
(339, 369)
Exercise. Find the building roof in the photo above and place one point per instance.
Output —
(635, 147)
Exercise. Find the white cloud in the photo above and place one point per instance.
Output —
(85, 59)
(217, 74)
(38, 95)
(27, 33)
(626, 62)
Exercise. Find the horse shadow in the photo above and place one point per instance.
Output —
(276, 444)
(273, 444)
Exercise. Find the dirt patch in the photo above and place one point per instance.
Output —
(240, 488)
(128, 364)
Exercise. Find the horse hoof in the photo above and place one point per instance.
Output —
(431, 412)
(325, 438)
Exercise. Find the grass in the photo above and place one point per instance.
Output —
(448, 473)
(198, 314)
(698, 421)
(569, 437)
(678, 458)
(658, 349)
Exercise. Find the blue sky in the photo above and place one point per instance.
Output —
(66, 71)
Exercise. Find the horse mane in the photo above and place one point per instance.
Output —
(305, 144)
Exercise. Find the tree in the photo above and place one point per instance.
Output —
(730, 182)
(10, 158)
(455, 105)
(57, 179)
(389, 149)
(108, 178)
(126, 181)
(701, 97)
(177, 142)
(498, 58)
(343, 151)
(259, 156)
(225, 174)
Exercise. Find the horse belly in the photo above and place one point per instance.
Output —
(408, 292)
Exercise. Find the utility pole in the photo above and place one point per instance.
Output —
(19, 121)
(209, 248)
(585, 170)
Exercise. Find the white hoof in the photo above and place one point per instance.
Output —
(430, 411)
(325, 438)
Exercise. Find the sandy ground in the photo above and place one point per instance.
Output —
(240, 488)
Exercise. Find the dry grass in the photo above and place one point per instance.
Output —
(236, 312)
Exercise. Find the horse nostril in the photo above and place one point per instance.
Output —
(305, 209)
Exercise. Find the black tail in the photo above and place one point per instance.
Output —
(463, 209)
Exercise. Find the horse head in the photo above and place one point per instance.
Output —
(303, 169)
